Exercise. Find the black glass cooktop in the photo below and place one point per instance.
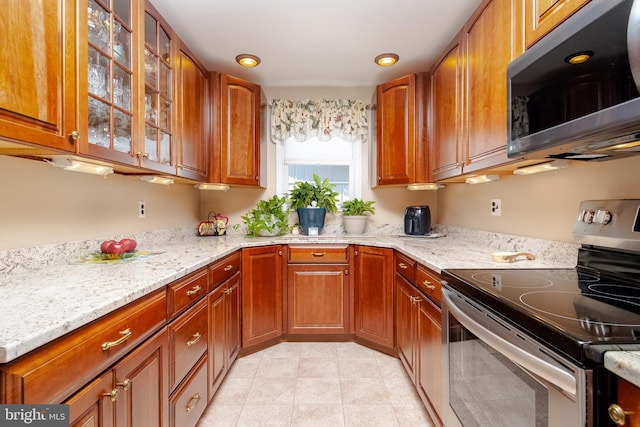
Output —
(567, 309)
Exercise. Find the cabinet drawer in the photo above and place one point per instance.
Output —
(53, 372)
(314, 254)
(223, 269)
(186, 291)
(429, 283)
(406, 266)
(187, 342)
(189, 402)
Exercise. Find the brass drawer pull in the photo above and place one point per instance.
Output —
(113, 395)
(126, 334)
(194, 290)
(403, 266)
(427, 284)
(318, 254)
(228, 267)
(195, 339)
(193, 402)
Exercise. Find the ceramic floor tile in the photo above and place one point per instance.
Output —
(267, 391)
(412, 416)
(358, 368)
(265, 416)
(318, 391)
(357, 391)
(220, 416)
(277, 368)
(316, 384)
(317, 416)
(369, 416)
(318, 368)
(317, 350)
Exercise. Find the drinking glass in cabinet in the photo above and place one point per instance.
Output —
(118, 90)
(122, 43)
(151, 143)
(98, 22)
(97, 80)
(150, 68)
(165, 114)
(165, 148)
(121, 131)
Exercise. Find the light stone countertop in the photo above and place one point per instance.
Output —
(44, 298)
(625, 364)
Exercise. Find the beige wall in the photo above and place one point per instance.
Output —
(40, 204)
(544, 205)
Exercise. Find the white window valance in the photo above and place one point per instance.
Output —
(344, 118)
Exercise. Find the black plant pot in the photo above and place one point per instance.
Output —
(311, 217)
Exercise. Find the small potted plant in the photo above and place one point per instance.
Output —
(354, 218)
(312, 201)
(268, 218)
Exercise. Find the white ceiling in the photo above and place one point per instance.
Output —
(321, 43)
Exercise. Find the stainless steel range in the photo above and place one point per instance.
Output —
(525, 347)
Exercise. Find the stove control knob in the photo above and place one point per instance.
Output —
(586, 216)
(602, 217)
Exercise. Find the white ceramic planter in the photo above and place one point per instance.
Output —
(354, 224)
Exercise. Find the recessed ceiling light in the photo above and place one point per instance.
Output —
(579, 57)
(386, 59)
(247, 60)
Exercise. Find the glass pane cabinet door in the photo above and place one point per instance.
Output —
(110, 75)
(158, 92)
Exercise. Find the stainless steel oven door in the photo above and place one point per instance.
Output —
(497, 376)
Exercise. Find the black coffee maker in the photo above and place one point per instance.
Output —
(417, 220)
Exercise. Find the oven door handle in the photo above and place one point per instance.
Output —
(543, 369)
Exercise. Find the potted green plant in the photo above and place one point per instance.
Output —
(268, 218)
(312, 201)
(354, 218)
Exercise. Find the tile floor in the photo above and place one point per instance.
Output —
(316, 384)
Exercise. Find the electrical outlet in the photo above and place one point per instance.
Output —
(142, 209)
(496, 207)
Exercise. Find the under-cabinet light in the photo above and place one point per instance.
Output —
(79, 166)
(157, 180)
(209, 186)
(426, 186)
(481, 179)
(542, 167)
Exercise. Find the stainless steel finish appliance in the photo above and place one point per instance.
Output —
(417, 220)
(526, 346)
(584, 111)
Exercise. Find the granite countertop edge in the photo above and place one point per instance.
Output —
(41, 305)
(625, 364)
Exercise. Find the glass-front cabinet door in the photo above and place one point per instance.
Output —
(158, 94)
(111, 80)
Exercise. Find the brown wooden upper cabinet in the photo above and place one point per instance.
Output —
(445, 141)
(193, 117)
(239, 151)
(542, 16)
(37, 68)
(468, 99)
(399, 152)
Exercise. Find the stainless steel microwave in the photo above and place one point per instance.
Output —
(575, 93)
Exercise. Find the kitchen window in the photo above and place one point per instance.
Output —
(338, 159)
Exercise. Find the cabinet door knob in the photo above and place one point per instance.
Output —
(112, 395)
(125, 384)
(617, 414)
(75, 136)
(280, 253)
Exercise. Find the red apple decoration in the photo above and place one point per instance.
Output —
(115, 248)
(104, 246)
(128, 244)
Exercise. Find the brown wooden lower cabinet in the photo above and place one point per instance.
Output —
(373, 295)
(429, 378)
(94, 405)
(262, 294)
